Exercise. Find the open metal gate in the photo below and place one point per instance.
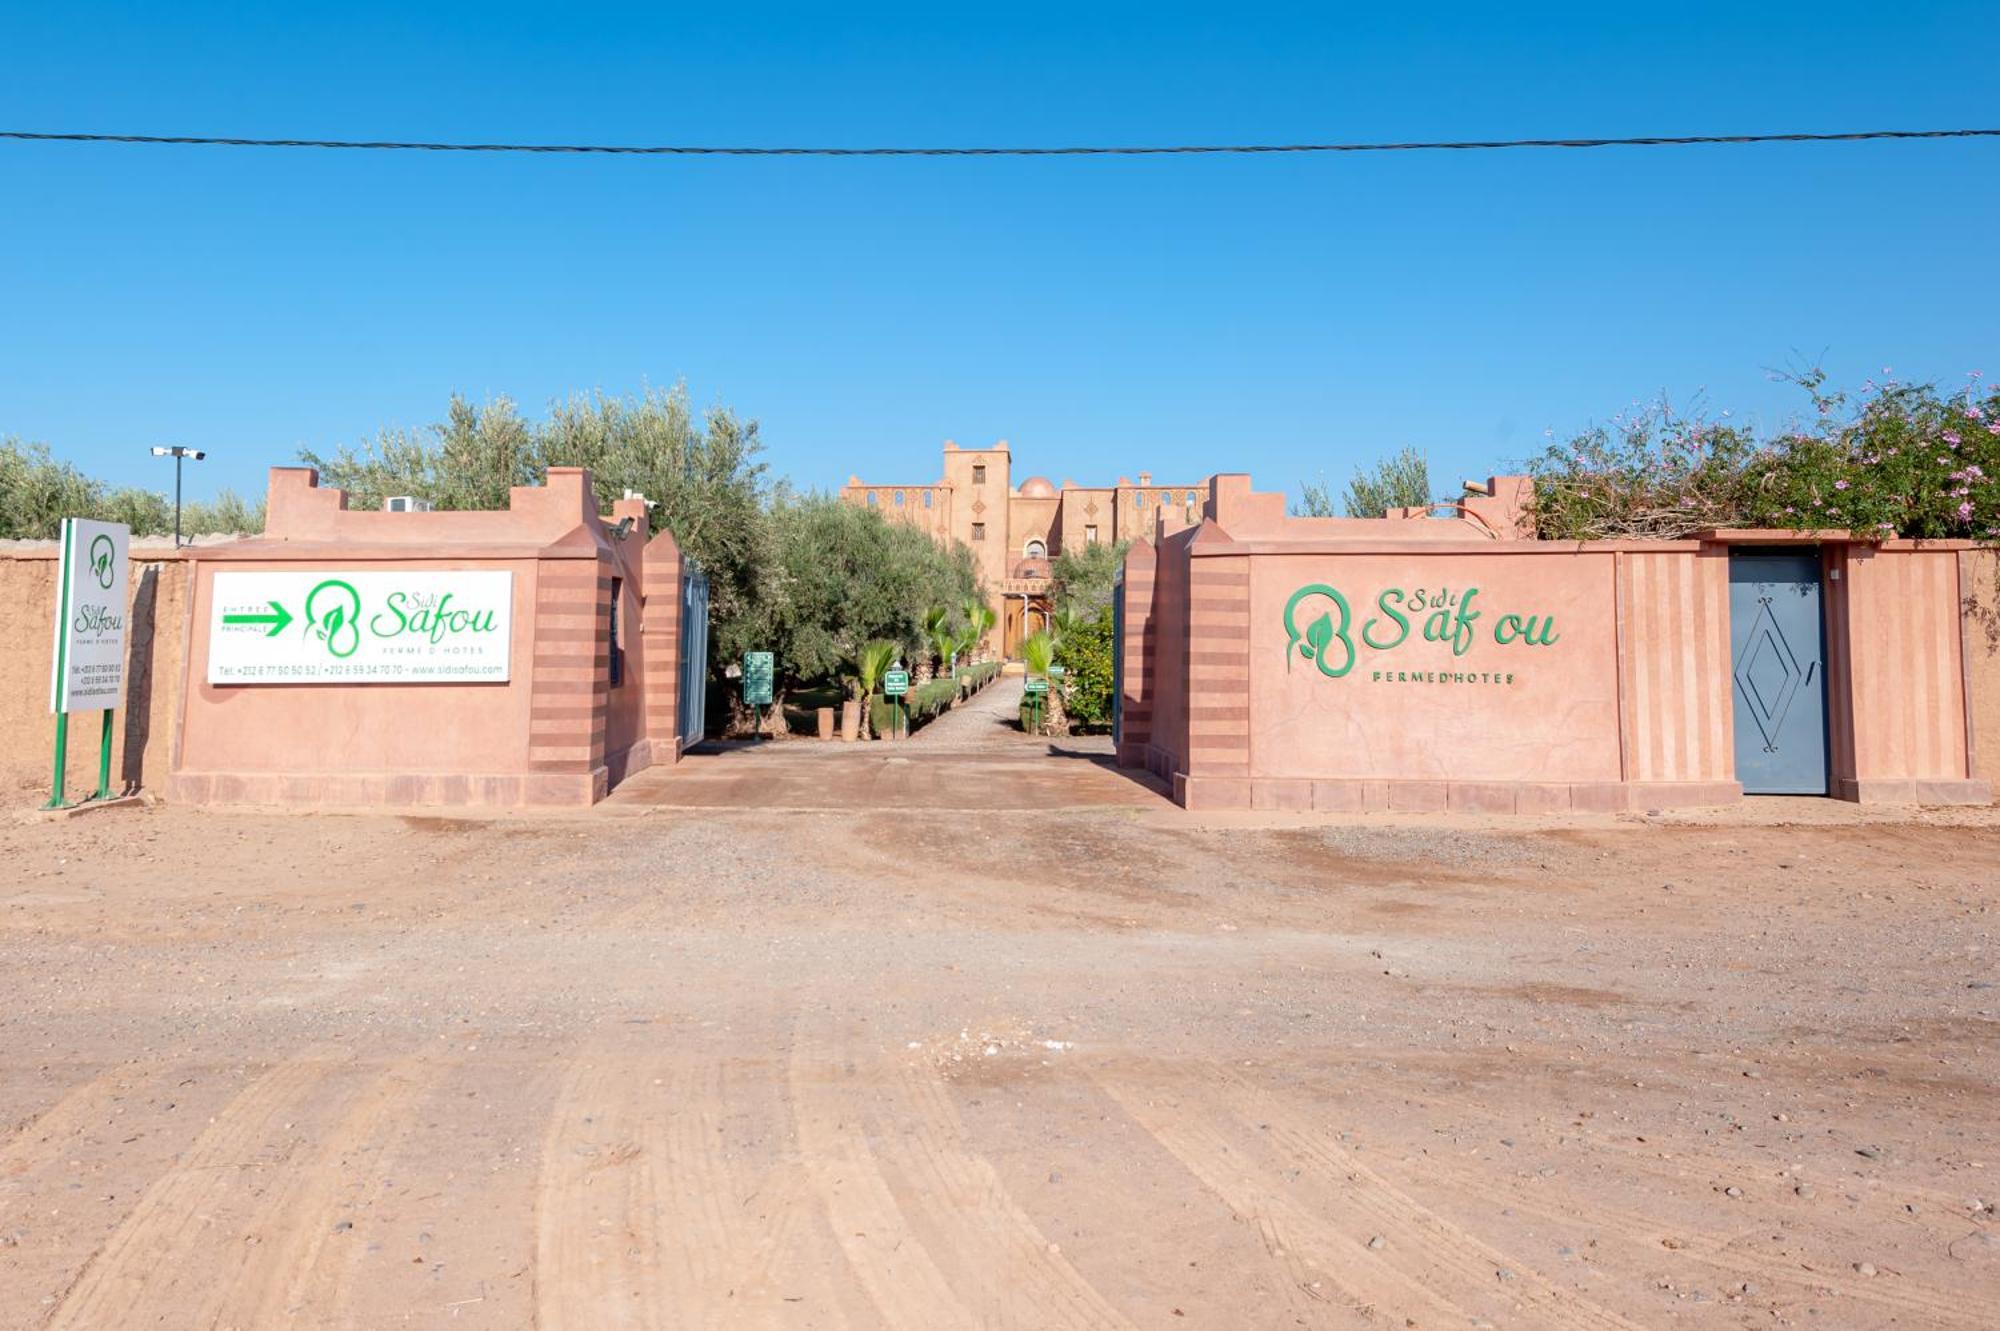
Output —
(693, 709)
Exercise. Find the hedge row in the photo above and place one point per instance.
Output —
(926, 700)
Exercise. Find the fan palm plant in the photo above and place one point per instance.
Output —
(932, 625)
(870, 664)
(1038, 653)
(979, 621)
(944, 644)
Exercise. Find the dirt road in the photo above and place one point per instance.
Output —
(929, 1068)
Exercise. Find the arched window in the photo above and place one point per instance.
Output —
(871, 499)
(899, 499)
(927, 498)
(1036, 549)
(1139, 500)
(1191, 499)
(1166, 497)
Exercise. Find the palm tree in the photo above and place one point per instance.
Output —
(943, 642)
(933, 626)
(1038, 653)
(979, 620)
(870, 664)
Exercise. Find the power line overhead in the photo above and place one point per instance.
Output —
(1129, 150)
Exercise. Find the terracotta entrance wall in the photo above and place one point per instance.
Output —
(1262, 667)
(1420, 709)
(556, 731)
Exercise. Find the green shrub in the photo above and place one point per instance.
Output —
(1087, 654)
(921, 703)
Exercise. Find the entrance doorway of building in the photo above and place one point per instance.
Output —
(1025, 615)
(1777, 648)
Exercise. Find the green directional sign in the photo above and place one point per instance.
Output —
(1037, 686)
(895, 683)
(278, 619)
(759, 670)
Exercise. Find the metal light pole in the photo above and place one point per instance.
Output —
(178, 454)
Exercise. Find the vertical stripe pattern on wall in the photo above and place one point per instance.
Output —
(1909, 683)
(1676, 672)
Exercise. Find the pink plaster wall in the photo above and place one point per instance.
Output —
(1898, 629)
(1509, 712)
(1673, 618)
(555, 732)
(1629, 706)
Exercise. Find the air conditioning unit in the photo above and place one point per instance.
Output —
(405, 504)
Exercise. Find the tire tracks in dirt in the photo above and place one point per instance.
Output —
(985, 1263)
(648, 1216)
(1647, 1235)
(308, 1267)
(1320, 1207)
(187, 1232)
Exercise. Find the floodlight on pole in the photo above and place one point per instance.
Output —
(179, 453)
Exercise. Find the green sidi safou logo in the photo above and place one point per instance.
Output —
(333, 615)
(102, 550)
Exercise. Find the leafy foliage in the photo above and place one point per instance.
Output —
(1087, 651)
(846, 575)
(978, 618)
(703, 474)
(1650, 474)
(1903, 460)
(1401, 480)
(1081, 580)
(1894, 460)
(37, 493)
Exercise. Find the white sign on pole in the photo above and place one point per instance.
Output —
(89, 667)
(326, 626)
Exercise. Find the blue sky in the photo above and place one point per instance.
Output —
(1279, 315)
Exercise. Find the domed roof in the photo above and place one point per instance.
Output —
(1037, 487)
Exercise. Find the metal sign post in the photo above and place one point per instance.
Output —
(896, 683)
(1036, 690)
(759, 673)
(88, 670)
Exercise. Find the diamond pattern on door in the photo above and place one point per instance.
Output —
(1768, 672)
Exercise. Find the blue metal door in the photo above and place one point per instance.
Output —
(1776, 648)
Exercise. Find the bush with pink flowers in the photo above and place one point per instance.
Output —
(1895, 459)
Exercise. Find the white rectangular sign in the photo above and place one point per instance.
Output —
(332, 626)
(89, 668)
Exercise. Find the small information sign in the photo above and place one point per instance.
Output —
(759, 670)
(89, 673)
(1037, 686)
(895, 683)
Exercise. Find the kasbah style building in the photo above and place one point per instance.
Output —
(1014, 531)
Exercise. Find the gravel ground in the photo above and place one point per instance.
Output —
(1116, 1067)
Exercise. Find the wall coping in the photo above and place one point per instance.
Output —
(277, 552)
(1212, 547)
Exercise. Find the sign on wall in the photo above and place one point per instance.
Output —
(89, 667)
(411, 626)
(1448, 666)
